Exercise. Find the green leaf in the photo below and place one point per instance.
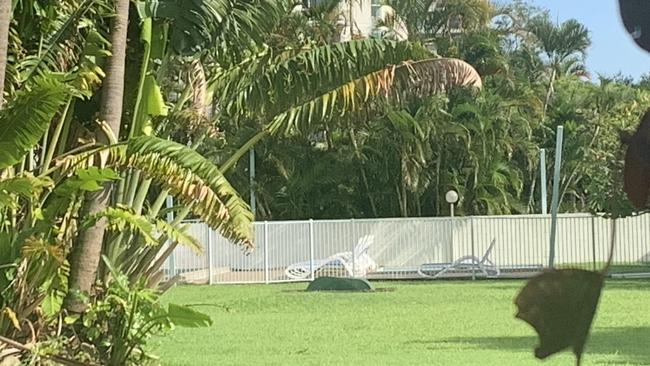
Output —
(196, 181)
(179, 235)
(190, 177)
(154, 103)
(560, 305)
(96, 174)
(88, 179)
(8, 253)
(184, 316)
(25, 120)
(120, 219)
(26, 186)
(89, 186)
(71, 319)
(52, 304)
(198, 25)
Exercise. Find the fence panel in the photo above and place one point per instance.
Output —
(400, 246)
(521, 242)
(288, 243)
(397, 248)
(186, 262)
(230, 264)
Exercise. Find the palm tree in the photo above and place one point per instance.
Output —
(329, 87)
(86, 253)
(5, 21)
(564, 47)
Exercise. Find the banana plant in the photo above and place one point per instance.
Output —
(56, 166)
(40, 218)
(175, 37)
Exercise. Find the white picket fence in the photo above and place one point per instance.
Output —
(402, 245)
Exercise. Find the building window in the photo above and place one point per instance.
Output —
(375, 5)
(310, 3)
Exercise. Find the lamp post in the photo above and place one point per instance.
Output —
(451, 197)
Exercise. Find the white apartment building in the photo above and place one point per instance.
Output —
(357, 17)
(361, 18)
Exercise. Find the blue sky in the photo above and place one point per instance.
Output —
(612, 50)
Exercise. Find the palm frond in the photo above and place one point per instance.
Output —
(25, 185)
(122, 219)
(93, 155)
(561, 40)
(232, 25)
(190, 177)
(310, 73)
(196, 182)
(58, 46)
(179, 235)
(396, 83)
(25, 120)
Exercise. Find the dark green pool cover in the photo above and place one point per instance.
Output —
(340, 284)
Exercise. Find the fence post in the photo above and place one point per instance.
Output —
(169, 202)
(172, 262)
(311, 248)
(593, 241)
(542, 186)
(266, 252)
(209, 254)
(471, 226)
(354, 238)
(451, 257)
(555, 199)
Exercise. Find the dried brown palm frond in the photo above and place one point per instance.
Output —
(396, 83)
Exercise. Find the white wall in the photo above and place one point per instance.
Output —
(361, 22)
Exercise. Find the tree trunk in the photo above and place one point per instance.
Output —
(531, 198)
(364, 177)
(549, 93)
(5, 21)
(86, 253)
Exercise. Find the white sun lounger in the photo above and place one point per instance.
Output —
(467, 263)
(356, 264)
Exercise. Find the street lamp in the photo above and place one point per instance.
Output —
(451, 197)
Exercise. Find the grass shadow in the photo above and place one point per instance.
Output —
(610, 284)
(381, 289)
(629, 344)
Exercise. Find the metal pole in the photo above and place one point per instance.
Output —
(451, 235)
(354, 243)
(471, 223)
(542, 172)
(169, 203)
(311, 248)
(451, 209)
(251, 171)
(556, 193)
(266, 252)
(593, 241)
(209, 252)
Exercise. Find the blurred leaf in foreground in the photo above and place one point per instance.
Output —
(560, 305)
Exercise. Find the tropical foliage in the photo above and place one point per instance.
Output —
(388, 160)
(113, 106)
(101, 127)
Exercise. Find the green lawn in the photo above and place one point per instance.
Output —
(408, 323)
